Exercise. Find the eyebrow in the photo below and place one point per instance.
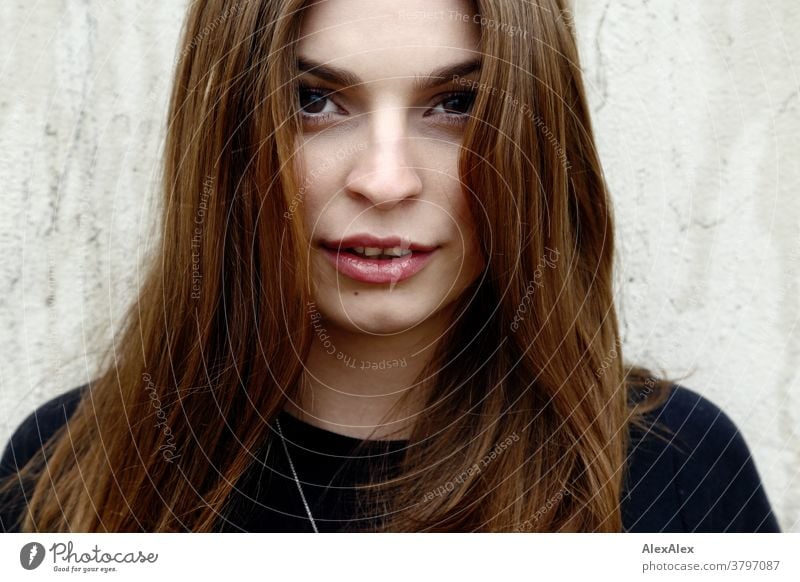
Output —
(345, 78)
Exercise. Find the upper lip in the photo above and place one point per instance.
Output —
(381, 242)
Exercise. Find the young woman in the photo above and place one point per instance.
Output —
(382, 301)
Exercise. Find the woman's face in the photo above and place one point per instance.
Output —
(392, 239)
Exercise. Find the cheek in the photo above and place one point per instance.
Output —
(313, 206)
(454, 202)
(468, 236)
(318, 186)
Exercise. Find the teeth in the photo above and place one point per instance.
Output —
(397, 252)
(377, 252)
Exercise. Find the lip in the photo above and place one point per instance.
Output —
(377, 271)
(383, 242)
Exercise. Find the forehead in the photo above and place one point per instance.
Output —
(380, 38)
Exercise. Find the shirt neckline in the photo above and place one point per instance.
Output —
(300, 430)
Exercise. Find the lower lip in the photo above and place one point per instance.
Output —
(378, 271)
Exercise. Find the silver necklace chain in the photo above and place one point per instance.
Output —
(296, 480)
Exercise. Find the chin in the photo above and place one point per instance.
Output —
(378, 313)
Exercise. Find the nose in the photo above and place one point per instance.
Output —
(384, 172)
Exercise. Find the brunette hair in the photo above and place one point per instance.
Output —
(219, 331)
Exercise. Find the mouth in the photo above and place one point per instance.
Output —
(391, 262)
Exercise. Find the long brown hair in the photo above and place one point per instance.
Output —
(531, 376)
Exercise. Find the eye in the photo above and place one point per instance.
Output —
(458, 102)
(314, 102)
(316, 106)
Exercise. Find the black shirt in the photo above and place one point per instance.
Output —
(702, 479)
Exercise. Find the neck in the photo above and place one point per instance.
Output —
(354, 382)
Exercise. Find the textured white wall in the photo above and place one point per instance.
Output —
(697, 115)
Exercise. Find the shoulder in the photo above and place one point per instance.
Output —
(690, 469)
(37, 428)
(29, 437)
